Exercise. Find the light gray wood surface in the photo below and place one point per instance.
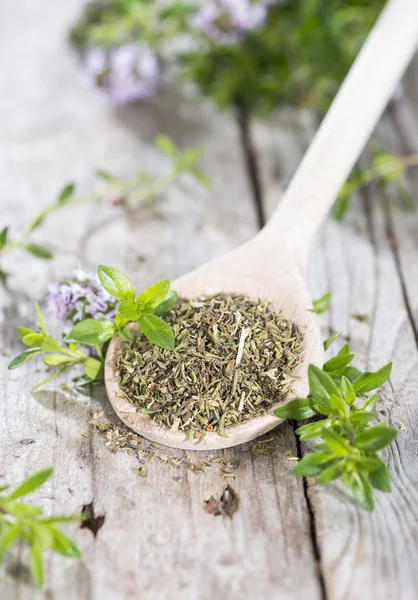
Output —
(157, 541)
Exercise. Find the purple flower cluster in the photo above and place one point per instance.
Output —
(80, 297)
(128, 73)
(225, 21)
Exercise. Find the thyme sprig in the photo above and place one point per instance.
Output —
(346, 444)
(27, 522)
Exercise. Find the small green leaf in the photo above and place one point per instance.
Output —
(299, 409)
(39, 251)
(368, 381)
(330, 473)
(31, 483)
(376, 437)
(322, 304)
(157, 331)
(128, 309)
(22, 331)
(370, 403)
(331, 340)
(120, 321)
(116, 283)
(311, 431)
(50, 344)
(91, 332)
(55, 360)
(339, 362)
(188, 159)
(154, 294)
(33, 339)
(63, 544)
(201, 176)
(380, 477)
(105, 175)
(322, 388)
(361, 418)
(66, 193)
(351, 373)
(166, 145)
(336, 443)
(311, 465)
(342, 206)
(167, 304)
(94, 369)
(40, 318)
(36, 564)
(8, 535)
(3, 237)
(347, 391)
(22, 358)
(362, 491)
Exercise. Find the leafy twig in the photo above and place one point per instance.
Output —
(27, 522)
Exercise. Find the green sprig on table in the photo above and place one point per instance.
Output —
(346, 443)
(145, 309)
(23, 521)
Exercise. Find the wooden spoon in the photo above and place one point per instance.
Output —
(271, 265)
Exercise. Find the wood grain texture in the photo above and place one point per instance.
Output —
(369, 264)
(156, 541)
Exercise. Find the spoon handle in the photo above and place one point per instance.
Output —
(347, 126)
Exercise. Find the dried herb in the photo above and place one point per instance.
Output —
(233, 360)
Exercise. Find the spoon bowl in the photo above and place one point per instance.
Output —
(271, 265)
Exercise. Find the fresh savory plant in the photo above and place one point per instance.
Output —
(23, 521)
(128, 192)
(345, 444)
(145, 309)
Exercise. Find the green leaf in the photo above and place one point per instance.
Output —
(336, 443)
(311, 431)
(311, 465)
(188, 159)
(167, 304)
(331, 340)
(339, 362)
(55, 360)
(368, 381)
(322, 388)
(36, 564)
(201, 176)
(66, 193)
(347, 391)
(94, 369)
(116, 283)
(362, 491)
(322, 304)
(370, 403)
(22, 331)
(105, 175)
(128, 309)
(40, 318)
(330, 473)
(50, 344)
(351, 373)
(157, 331)
(154, 294)
(380, 477)
(3, 237)
(361, 418)
(39, 251)
(299, 409)
(376, 437)
(7, 537)
(63, 544)
(91, 332)
(120, 321)
(31, 483)
(166, 145)
(22, 358)
(33, 339)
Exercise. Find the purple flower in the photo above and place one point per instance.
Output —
(225, 21)
(80, 297)
(128, 73)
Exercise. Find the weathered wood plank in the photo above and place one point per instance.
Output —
(369, 265)
(156, 541)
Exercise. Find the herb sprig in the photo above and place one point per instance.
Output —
(130, 192)
(22, 521)
(348, 445)
(145, 309)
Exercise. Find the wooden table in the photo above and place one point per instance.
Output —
(288, 539)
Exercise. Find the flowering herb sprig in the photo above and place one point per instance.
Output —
(145, 309)
(129, 192)
(22, 521)
(346, 446)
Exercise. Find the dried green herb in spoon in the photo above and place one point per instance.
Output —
(232, 361)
